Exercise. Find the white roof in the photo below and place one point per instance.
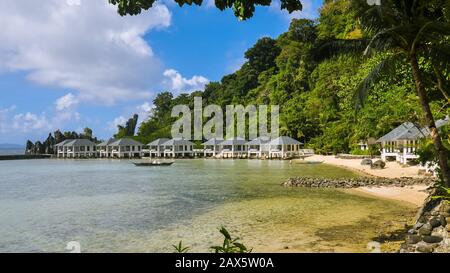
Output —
(285, 140)
(106, 143)
(234, 141)
(62, 143)
(158, 142)
(80, 142)
(178, 141)
(259, 141)
(125, 142)
(213, 141)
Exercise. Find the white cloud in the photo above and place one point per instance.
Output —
(121, 120)
(30, 122)
(66, 102)
(176, 82)
(84, 46)
(144, 110)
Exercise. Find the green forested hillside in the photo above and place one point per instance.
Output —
(316, 95)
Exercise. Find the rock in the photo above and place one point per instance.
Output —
(435, 221)
(379, 164)
(424, 248)
(413, 239)
(418, 225)
(439, 231)
(425, 229)
(422, 219)
(432, 239)
(366, 161)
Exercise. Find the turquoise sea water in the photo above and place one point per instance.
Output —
(113, 206)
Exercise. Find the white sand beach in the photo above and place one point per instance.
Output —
(414, 195)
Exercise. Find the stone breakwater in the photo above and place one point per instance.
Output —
(431, 233)
(314, 182)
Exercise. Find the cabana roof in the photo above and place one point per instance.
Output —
(80, 142)
(178, 141)
(411, 131)
(106, 143)
(62, 143)
(213, 141)
(259, 141)
(234, 141)
(125, 142)
(285, 140)
(158, 142)
(405, 131)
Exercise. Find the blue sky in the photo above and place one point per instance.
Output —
(76, 63)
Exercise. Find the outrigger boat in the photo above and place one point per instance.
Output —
(154, 163)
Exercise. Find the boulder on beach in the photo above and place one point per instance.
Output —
(366, 161)
(379, 164)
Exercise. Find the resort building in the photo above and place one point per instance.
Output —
(178, 147)
(76, 148)
(156, 147)
(125, 147)
(60, 150)
(284, 147)
(104, 150)
(233, 147)
(363, 146)
(259, 146)
(401, 143)
(212, 147)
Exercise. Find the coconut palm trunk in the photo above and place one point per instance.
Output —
(429, 119)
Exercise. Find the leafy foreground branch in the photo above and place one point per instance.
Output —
(230, 245)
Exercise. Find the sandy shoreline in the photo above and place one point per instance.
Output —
(414, 195)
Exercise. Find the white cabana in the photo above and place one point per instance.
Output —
(61, 151)
(104, 150)
(284, 147)
(212, 147)
(401, 143)
(233, 147)
(178, 147)
(76, 148)
(156, 147)
(126, 147)
(259, 146)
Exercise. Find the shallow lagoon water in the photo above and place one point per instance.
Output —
(113, 206)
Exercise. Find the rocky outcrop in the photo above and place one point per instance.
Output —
(431, 232)
(314, 182)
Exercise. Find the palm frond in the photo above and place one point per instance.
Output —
(384, 67)
(330, 48)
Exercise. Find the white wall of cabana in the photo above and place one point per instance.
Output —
(284, 147)
(212, 147)
(125, 148)
(76, 148)
(402, 142)
(259, 147)
(233, 147)
(156, 147)
(178, 147)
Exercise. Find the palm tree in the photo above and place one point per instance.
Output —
(407, 31)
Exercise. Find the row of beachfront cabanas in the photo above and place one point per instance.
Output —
(281, 147)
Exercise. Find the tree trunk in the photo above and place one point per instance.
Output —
(434, 132)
